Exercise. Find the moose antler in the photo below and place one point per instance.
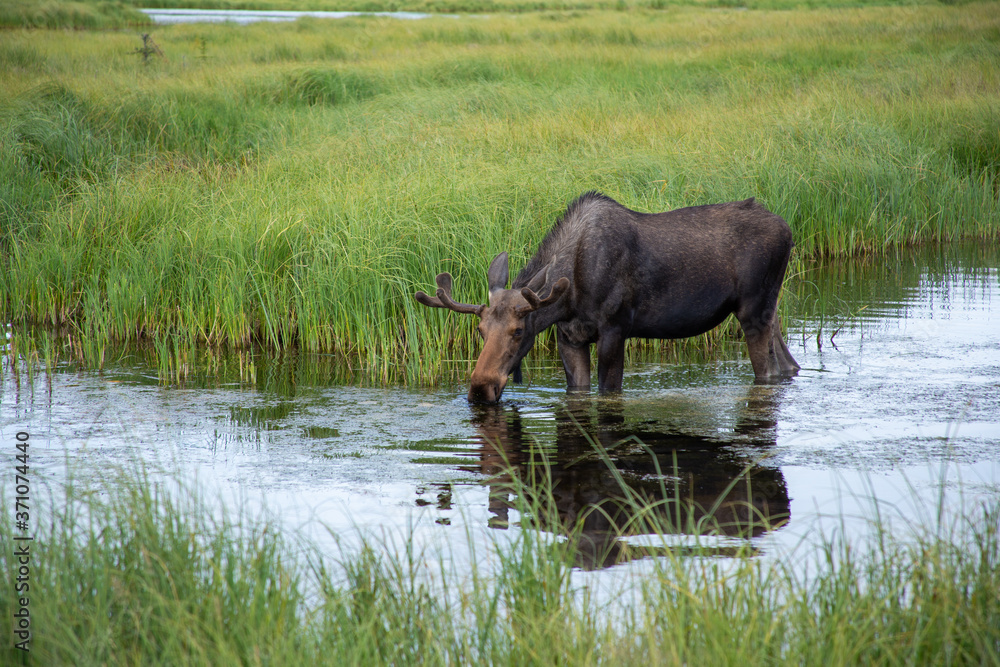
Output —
(535, 302)
(444, 300)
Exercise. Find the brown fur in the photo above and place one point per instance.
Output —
(609, 273)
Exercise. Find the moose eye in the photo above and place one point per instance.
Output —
(518, 332)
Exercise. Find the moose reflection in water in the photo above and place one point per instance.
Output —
(660, 482)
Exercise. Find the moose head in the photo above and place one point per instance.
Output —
(506, 325)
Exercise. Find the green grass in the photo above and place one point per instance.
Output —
(130, 573)
(291, 186)
(86, 15)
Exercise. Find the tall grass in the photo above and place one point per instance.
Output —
(136, 573)
(84, 14)
(293, 185)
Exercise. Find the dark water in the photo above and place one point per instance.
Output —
(897, 402)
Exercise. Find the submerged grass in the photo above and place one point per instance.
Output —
(291, 186)
(146, 572)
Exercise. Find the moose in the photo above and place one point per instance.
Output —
(605, 273)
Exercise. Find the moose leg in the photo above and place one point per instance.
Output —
(768, 353)
(786, 363)
(576, 362)
(758, 329)
(610, 360)
(761, 357)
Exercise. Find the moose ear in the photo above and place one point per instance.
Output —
(498, 274)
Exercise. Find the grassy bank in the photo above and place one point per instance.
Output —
(136, 574)
(292, 185)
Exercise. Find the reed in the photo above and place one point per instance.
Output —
(291, 186)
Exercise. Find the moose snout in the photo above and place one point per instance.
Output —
(486, 389)
(488, 392)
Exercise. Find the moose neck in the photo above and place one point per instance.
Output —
(540, 320)
(539, 275)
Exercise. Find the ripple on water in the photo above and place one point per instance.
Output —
(900, 378)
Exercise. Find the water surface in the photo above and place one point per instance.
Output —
(244, 16)
(898, 400)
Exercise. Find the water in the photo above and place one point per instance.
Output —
(897, 403)
(244, 16)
